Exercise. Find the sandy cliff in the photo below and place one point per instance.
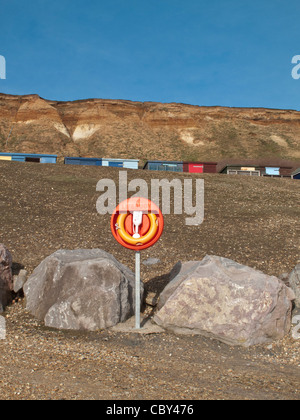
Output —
(118, 128)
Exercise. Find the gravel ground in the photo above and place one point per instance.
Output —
(40, 363)
(48, 207)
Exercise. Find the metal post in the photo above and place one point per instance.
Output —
(137, 290)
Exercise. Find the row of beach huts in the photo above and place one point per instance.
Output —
(258, 167)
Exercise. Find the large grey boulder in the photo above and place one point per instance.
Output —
(6, 279)
(294, 282)
(81, 290)
(222, 299)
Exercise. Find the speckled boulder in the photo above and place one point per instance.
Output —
(80, 290)
(222, 299)
(6, 279)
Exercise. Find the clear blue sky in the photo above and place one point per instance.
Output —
(217, 52)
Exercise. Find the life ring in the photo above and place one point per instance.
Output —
(131, 234)
(143, 239)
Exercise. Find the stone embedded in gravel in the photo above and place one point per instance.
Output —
(222, 299)
(151, 299)
(6, 280)
(19, 280)
(294, 281)
(2, 328)
(81, 290)
(151, 261)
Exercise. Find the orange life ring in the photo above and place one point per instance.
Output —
(151, 227)
(143, 239)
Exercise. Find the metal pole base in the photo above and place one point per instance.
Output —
(137, 290)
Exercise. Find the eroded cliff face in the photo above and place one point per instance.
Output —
(118, 128)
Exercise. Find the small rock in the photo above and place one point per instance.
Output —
(294, 282)
(151, 299)
(2, 328)
(19, 280)
(296, 319)
(296, 332)
(151, 261)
